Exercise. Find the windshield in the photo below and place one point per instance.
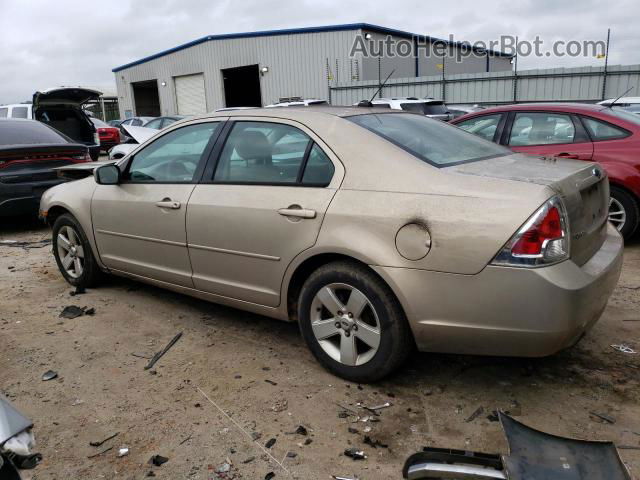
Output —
(434, 142)
(426, 108)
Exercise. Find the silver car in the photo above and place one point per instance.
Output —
(376, 230)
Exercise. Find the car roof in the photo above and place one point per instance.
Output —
(549, 106)
(299, 112)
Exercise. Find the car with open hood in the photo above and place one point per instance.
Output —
(375, 230)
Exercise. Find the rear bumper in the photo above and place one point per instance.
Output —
(508, 311)
(23, 198)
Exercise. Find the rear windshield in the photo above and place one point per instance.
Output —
(28, 132)
(432, 141)
(425, 108)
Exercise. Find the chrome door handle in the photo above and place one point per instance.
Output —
(166, 203)
(297, 212)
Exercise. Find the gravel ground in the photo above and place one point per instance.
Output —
(233, 377)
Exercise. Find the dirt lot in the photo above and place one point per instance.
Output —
(259, 373)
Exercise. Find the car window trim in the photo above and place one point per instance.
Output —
(201, 162)
(506, 135)
(208, 174)
(582, 118)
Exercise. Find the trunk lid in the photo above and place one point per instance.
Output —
(65, 96)
(139, 134)
(583, 187)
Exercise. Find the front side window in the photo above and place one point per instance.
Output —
(19, 112)
(174, 157)
(599, 130)
(432, 141)
(262, 152)
(484, 126)
(541, 128)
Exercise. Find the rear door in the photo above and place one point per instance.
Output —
(261, 203)
(553, 134)
(139, 225)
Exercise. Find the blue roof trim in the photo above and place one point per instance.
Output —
(294, 31)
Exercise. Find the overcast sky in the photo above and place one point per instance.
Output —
(65, 42)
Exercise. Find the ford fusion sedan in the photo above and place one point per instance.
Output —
(377, 231)
(605, 135)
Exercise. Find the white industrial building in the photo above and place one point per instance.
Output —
(258, 68)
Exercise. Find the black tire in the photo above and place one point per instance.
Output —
(91, 272)
(396, 341)
(630, 205)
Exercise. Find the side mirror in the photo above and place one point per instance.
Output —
(107, 175)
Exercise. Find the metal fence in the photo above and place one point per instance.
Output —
(578, 84)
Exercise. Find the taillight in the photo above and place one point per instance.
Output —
(542, 240)
(96, 138)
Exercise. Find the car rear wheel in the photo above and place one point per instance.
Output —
(353, 323)
(623, 212)
(73, 253)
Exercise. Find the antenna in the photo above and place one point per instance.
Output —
(367, 103)
(614, 102)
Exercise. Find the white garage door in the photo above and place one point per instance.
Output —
(190, 94)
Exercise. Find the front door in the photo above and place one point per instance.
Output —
(139, 225)
(262, 206)
(551, 134)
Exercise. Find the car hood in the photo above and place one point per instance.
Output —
(12, 422)
(65, 95)
(139, 134)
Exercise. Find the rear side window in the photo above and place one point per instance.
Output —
(432, 141)
(28, 133)
(484, 126)
(261, 152)
(541, 128)
(319, 168)
(599, 130)
(19, 112)
(4, 112)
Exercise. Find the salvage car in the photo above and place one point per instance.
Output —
(429, 107)
(29, 153)
(162, 122)
(605, 135)
(375, 230)
(134, 136)
(109, 136)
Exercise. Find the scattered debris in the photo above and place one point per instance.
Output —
(150, 474)
(353, 430)
(49, 375)
(623, 348)
(604, 416)
(249, 459)
(24, 244)
(158, 460)
(493, 416)
(71, 311)
(628, 447)
(78, 291)
(301, 430)
(271, 382)
(161, 353)
(140, 355)
(223, 468)
(337, 477)
(270, 443)
(308, 441)
(292, 454)
(90, 311)
(97, 444)
(255, 436)
(355, 454)
(374, 443)
(100, 453)
(478, 411)
(280, 406)
(185, 440)
(123, 452)
(269, 476)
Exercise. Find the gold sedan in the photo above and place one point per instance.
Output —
(376, 231)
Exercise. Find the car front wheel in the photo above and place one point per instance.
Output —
(623, 212)
(353, 323)
(73, 253)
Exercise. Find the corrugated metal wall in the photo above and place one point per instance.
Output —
(558, 84)
(297, 67)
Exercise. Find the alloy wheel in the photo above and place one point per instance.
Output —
(70, 251)
(345, 324)
(617, 213)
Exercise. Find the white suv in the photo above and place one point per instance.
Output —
(427, 106)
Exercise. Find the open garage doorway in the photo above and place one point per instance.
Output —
(146, 98)
(242, 86)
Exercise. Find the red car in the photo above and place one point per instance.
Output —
(596, 133)
(109, 136)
